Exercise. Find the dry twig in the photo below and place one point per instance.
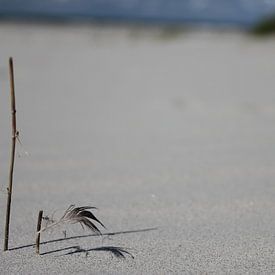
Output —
(14, 137)
(37, 242)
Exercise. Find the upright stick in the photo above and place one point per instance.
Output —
(14, 135)
(37, 242)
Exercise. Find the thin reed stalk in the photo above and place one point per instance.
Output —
(13, 143)
(37, 242)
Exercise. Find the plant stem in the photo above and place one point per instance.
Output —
(37, 242)
(14, 135)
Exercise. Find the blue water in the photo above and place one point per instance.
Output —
(239, 12)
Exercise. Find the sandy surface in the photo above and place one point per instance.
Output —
(171, 136)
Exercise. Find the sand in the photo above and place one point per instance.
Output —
(169, 134)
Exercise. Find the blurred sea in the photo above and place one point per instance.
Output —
(232, 12)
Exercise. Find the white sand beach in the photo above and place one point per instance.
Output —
(170, 134)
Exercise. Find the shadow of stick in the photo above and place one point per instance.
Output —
(86, 236)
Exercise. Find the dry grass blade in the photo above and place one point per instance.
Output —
(80, 215)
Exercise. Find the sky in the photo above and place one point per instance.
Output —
(240, 12)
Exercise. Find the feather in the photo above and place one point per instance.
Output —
(79, 215)
(90, 215)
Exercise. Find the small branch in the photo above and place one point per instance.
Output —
(37, 242)
(14, 135)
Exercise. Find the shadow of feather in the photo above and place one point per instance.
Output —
(118, 252)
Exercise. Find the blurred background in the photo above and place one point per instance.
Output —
(137, 88)
(217, 12)
(131, 88)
